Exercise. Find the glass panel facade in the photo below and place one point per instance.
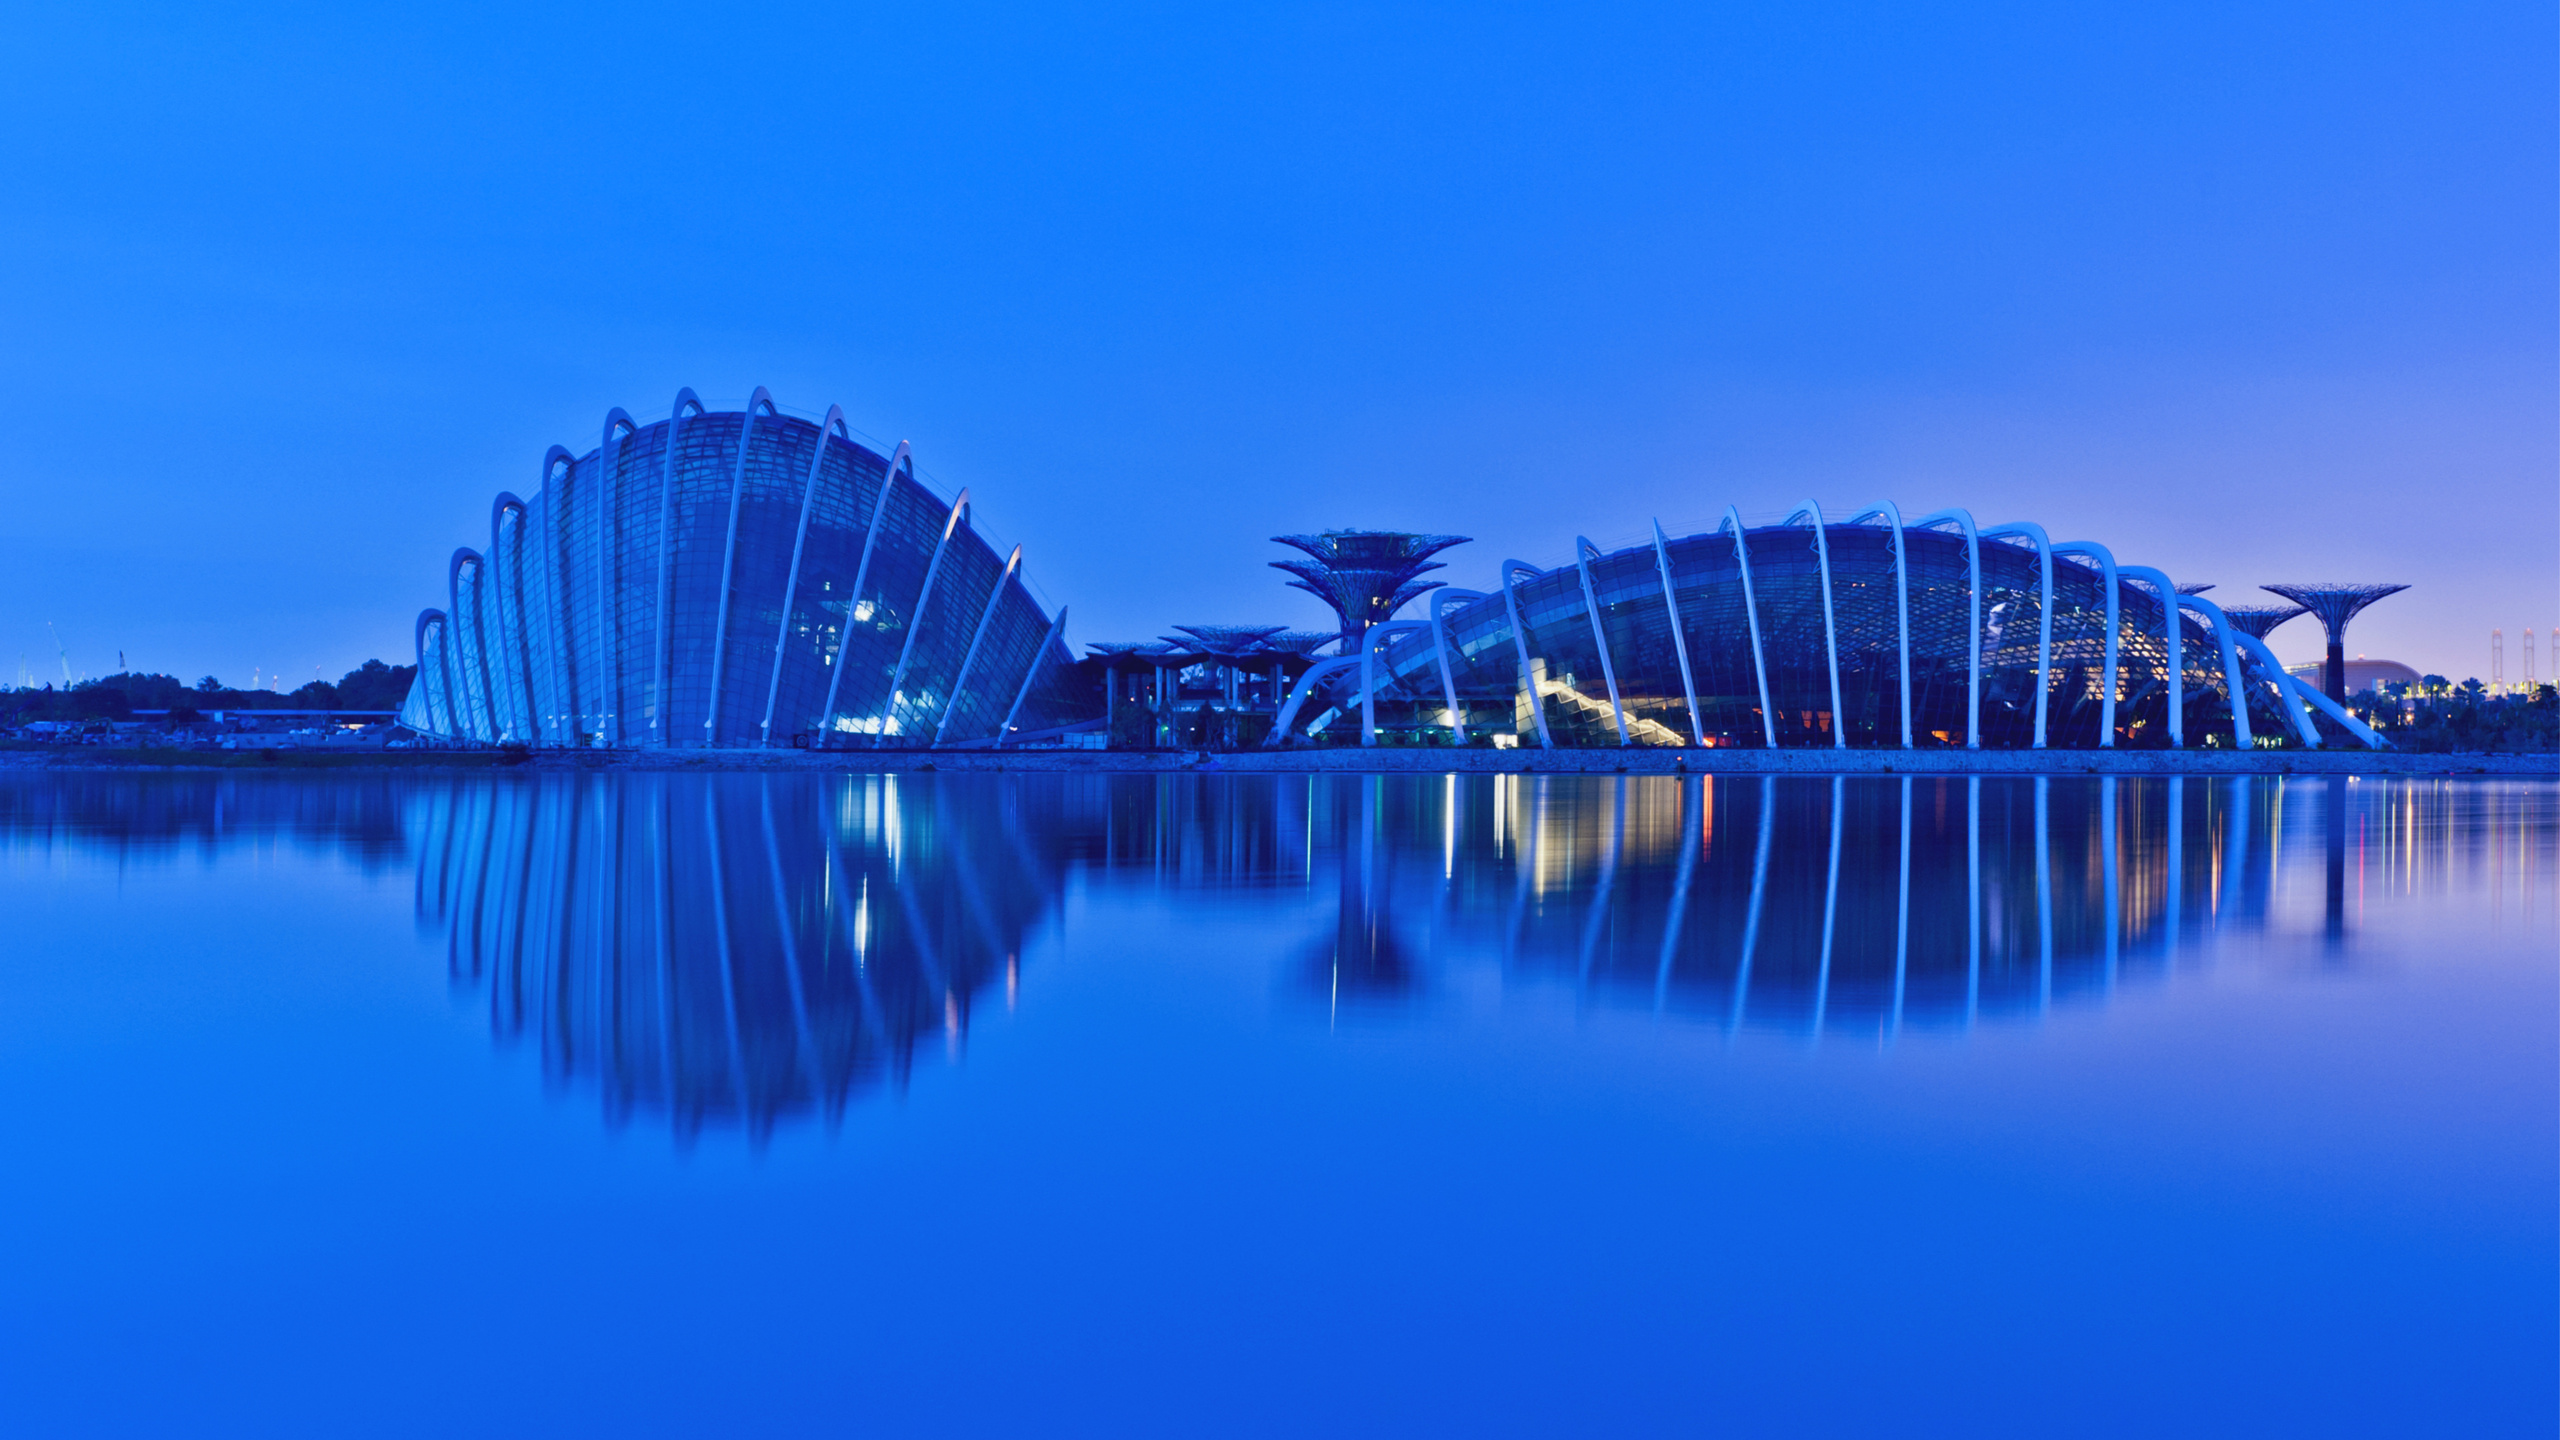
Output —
(598, 614)
(1866, 620)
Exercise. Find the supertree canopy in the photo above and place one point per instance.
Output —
(1365, 575)
(2335, 605)
(2260, 620)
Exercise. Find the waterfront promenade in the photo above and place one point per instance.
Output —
(1344, 761)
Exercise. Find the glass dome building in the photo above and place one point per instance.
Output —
(1864, 633)
(738, 579)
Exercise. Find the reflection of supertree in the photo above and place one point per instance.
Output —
(1364, 960)
(733, 948)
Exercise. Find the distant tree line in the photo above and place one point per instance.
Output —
(2437, 716)
(370, 686)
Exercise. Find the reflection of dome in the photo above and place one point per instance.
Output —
(726, 948)
(738, 578)
(741, 949)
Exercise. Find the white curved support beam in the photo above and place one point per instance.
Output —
(861, 572)
(1583, 551)
(558, 465)
(1378, 635)
(479, 716)
(915, 617)
(1679, 638)
(2107, 697)
(1963, 521)
(1438, 608)
(1751, 618)
(1520, 643)
(2174, 633)
(969, 657)
(618, 428)
(1317, 674)
(2044, 612)
(729, 560)
(2317, 699)
(1031, 672)
(433, 621)
(799, 546)
(1901, 601)
(2235, 686)
(1830, 632)
(2288, 695)
(515, 638)
(659, 730)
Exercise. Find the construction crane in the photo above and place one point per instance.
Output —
(66, 654)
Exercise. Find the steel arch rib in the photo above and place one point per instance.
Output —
(1316, 673)
(1679, 638)
(608, 591)
(1022, 692)
(666, 564)
(1751, 619)
(1583, 550)
(729, 558)
(484, 724)
(915, 617)
(2235, 686)
(2044, 612)
(799, 544)
(1963, 521)
(518, 646)
(2288, 694)
(558, 466)
(1901, 601)
(1830, 632)
(431, 620)
(1438, 607)
(861, 572)
(2107, 571)
(969, 657)
(2172, 633)
(1520, 642)
(1378, 635)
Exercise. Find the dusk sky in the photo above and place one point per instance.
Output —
(2250, 293)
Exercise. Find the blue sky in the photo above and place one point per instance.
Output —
(2255, 292)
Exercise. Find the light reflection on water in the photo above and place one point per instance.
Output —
(1528, 1105)
(741, 949)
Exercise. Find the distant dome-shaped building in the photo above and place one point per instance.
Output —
(738, 579)
(1813, 633)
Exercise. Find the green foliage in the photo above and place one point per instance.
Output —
(2438, 717)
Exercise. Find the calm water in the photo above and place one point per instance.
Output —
(1257, 1105)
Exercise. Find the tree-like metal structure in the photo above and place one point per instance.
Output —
(2258, 620)
(1366, 576)
(2335, 605)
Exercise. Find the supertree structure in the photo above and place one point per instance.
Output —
(2335, 605)
(2260, 620)
(1366, 576)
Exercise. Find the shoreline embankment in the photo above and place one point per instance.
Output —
(1307, 762)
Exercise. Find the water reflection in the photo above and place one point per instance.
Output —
(740, 950)
(734, 950)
